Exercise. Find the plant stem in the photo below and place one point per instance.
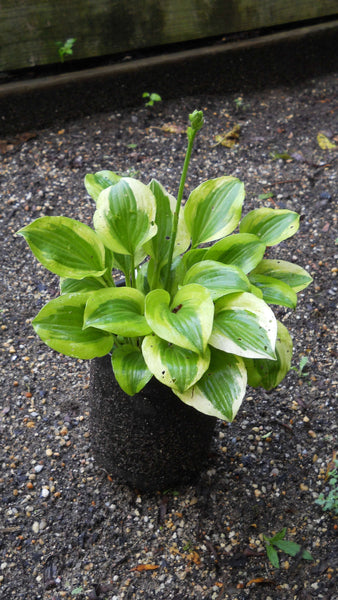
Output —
(191, 137)
(133, 279)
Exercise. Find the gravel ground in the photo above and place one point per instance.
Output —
(67, 529)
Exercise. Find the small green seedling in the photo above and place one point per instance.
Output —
(187, 546)
(239, 103)
(330, 502)
(266, 196)
(151, 98)
(171, 492)
(300, 370)
(277, 542)
(66, 48)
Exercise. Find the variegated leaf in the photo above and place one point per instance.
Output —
(175, 367)
(244, 325)
(275, 291)
(117, 310)
(269, 373)
(66, 247)
(217, 278)
(244, 250)
(213, 209)
(130, 369)
(60, 325)
(221, 390)
(186, 321)
(96, 182)
(125, 216)
(294, 275)
(271, 225)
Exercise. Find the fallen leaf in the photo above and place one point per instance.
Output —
(324, 142)
(280, 155)
(260, 580)
(141, 568)
(331, 465)
(194, 557)
(173, 128)
(230, 138)
(20, 138)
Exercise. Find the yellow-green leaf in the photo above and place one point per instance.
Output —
(324, 142)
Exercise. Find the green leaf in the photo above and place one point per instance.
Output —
(292, 549)
(294, 275)
(155, 97)
(192, 257)
(186, 321)
(272, 555)
(66, 247)
(267, 373)
(176, 367)
(244, 325)
(96, 182)
(158, 246)
(87, 284)
(271, 225)
(266, 196)
(60, 325)
(117, 310)
(244, 250)
(187, 260)
(302, 363)
(219, 279)
(324, 142)
(213, 209)
(280, 535)
(130, 369)
(142, 283)
(274, 290)
(288, 547)
(125, 216)
(221, 390)
(256, 291)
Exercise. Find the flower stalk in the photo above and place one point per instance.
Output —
(197, 121)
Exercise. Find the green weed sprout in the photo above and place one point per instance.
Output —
(66, 48)
(277, 542)
(300, 370)
(151, 98)
(330, 502)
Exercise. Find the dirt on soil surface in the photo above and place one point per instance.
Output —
(67, 530)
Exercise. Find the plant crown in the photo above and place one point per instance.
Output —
(194, 311)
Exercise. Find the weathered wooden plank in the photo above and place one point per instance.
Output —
(30, 29)
(235, 68)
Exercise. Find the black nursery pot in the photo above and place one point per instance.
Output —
(151, 441)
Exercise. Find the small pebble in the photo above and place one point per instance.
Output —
(36, 527)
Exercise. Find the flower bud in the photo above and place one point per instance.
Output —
(196, 119)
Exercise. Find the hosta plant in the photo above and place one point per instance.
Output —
(194, 311)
